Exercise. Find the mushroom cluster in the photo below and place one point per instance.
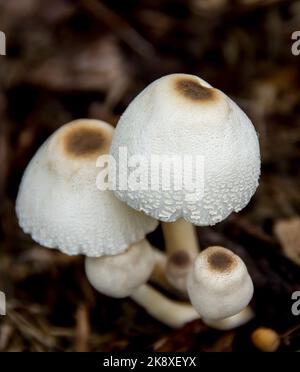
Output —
(179, 117)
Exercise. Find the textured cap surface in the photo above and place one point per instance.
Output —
(219, 285)
(59, 203)
(183, 115)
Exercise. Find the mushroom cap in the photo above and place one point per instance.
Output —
(183, 115)
(59, 203)
(219, 284)
(120, 275)
(177, 268)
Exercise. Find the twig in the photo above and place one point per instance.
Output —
(82, 329)
(119, 27)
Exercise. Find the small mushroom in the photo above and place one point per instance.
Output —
(119, 275)
(58, 201)
(182, 115)
(219, 285)
(124, 275)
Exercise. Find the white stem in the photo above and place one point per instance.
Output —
(231, 322)
(180, 235)
(182, 248)
(172, 313)
(158, 275)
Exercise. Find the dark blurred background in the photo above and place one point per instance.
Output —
(88, 58)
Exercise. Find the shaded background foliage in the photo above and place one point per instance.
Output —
(87, 58)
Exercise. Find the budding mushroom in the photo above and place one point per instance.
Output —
(177, 268)
(219, 285)
(120, 275)
(124, 275)
(211, 144)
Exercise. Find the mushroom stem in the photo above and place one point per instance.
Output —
(159, 277)
(182, 248)
(180, 235)
(231, 322)
(172, 313)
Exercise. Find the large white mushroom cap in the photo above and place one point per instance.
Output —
(182, 115)
(59, 203)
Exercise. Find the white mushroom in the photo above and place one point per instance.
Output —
(124, 275)
(182, 117)
(120, 275)
(158, 277)
(58, 201)
(219, 285)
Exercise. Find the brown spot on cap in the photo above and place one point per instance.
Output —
(194, 90)
(221, 261)
(180, 258)
(84, 141)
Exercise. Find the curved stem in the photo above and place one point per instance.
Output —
(172, 313)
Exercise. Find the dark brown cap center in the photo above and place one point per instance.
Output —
(220, 261)
(180, 258)
(83, 142)
(193, 90)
